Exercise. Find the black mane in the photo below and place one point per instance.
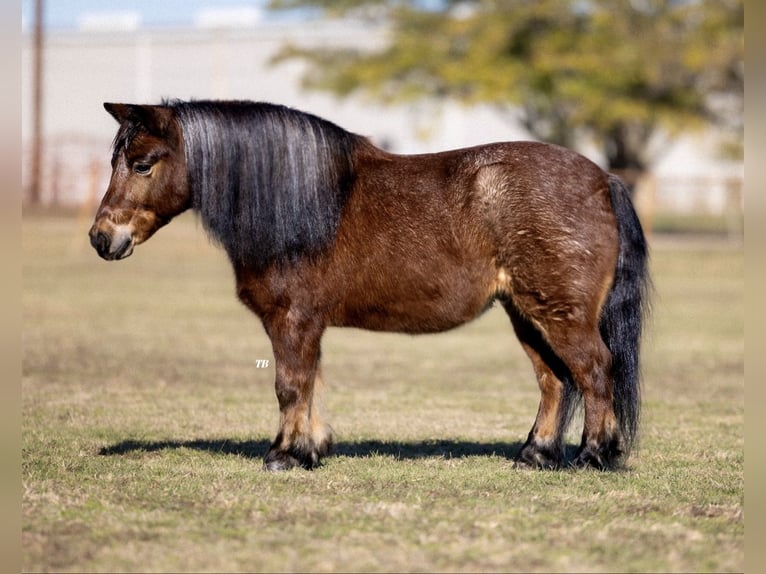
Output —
(269, 182)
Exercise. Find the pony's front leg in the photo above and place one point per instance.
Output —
(302, 438)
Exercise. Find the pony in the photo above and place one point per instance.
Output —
(323, 228)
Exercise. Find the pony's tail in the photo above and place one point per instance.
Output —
(624, 312)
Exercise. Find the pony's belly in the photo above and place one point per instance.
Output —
(429, 308)
(375, 318)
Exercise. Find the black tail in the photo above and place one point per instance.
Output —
(624, 312)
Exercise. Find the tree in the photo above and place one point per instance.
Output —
(615, 71)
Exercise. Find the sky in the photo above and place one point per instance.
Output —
(67, 14)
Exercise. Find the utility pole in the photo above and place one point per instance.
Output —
(37, 107)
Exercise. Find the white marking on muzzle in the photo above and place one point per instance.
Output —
(122, 234)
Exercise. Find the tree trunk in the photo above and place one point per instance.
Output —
(625, 148)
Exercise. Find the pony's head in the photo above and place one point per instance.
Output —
(148, 186)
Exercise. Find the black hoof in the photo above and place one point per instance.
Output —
(302, 452)
(303, 456)
(279, 461)
(601, 457)
(536, 456)
(587, 458)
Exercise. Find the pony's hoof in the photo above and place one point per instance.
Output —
(534, 456)
(277, 460)
(280, 461)
(602, 457)
(588, 459)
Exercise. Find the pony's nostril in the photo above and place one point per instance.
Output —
(100, 242)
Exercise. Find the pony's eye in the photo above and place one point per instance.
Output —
(142, 168)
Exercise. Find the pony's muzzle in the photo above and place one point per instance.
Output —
(114, 246)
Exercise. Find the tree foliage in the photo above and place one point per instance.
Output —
(612, 70)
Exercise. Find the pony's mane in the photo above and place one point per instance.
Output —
(269, 182)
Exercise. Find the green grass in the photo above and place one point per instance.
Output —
(144, 424)
(731, 224)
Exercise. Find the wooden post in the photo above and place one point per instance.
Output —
(37, 109)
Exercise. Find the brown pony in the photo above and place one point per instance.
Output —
(324, 229)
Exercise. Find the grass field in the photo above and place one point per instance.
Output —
(145, 420)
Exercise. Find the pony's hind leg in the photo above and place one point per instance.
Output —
(303, 438)
(579, 346)
(590, 361)
(544, 447)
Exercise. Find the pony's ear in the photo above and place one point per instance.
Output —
(155, 119)
(120, 112)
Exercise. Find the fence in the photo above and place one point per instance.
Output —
(75, 171)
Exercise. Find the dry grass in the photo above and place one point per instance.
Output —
(144, 421)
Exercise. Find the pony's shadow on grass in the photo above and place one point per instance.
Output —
(256, 449)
